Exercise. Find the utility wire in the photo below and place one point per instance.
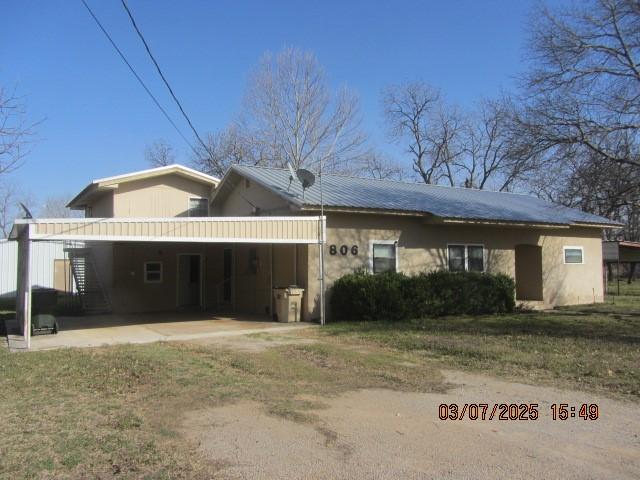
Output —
(124, 59)
(166, 82)
(153, 59)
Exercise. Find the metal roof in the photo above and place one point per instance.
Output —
(445, 202)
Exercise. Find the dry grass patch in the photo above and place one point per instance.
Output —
(117, 411)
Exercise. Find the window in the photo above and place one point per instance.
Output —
(466, 258)
(574, 255)
(383, 255)
(456, 258)
(475, 258)
(153, 272)
(198, 207)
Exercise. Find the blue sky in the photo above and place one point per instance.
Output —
(97, 119)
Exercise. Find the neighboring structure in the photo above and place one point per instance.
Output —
(615, 252)
(50, 267)
(173, 238)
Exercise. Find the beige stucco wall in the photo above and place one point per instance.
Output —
(423, 247)
(162, 196)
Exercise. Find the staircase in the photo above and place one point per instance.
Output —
(92, 295)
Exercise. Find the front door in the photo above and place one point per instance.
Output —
(529, 272)
(189, 280)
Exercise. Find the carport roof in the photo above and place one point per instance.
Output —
(393, 196)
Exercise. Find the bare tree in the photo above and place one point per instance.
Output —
(8, 208)
(480, 149)
(583, 88)
(445, 144)
(382, 167)
(56, 207)
(407, 111)
(10, 199)
(15, 131)
(159, 154)
(496, 156)
(224, 149)
(291, 115)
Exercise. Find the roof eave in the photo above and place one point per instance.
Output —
(615, 225)
(81, 200)
(154, 172)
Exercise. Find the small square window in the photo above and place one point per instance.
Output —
(573, 255)
(384, 257)
(198, 207)
(153, 272)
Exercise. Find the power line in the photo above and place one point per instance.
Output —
(146, 46)
(124, 59)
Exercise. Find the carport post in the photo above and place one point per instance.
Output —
(23, 297)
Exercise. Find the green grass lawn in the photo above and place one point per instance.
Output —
(593, 347)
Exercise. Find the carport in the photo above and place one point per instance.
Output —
(270, 232)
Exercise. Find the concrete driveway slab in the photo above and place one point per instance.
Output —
(101, 330)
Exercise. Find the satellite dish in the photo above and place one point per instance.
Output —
(307, 179)
(27, 213)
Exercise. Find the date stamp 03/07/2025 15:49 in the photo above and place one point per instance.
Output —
(516, 411)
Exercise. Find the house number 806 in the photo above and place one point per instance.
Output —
(343, 249)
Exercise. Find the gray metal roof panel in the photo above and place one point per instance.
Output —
(447, 202)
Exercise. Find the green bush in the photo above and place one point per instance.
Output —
(363, 296)
(395, 296)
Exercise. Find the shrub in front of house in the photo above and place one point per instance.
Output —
(362, 296)
(395, 296)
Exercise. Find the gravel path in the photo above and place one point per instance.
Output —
(388, 434)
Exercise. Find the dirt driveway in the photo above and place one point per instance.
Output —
(388, 434)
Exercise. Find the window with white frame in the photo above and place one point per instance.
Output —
(384, 256)
(465, 258)
(198, 207)
(574, 255)
(153, 272)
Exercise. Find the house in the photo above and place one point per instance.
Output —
(173, 238)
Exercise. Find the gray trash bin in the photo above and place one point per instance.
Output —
(288, 303)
